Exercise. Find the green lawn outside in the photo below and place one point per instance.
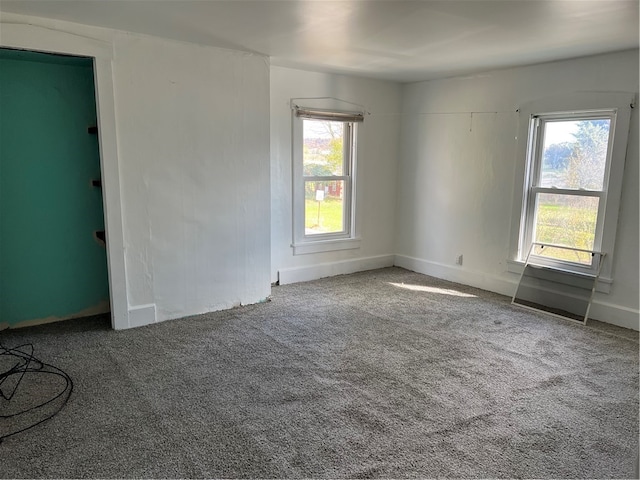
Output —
(330, 215)
(567, 225)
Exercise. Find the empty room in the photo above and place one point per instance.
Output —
(319, 239)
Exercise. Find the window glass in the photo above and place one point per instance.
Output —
(575, 154)
(323, 144)
(324, 207)
(568, 188)
(568, 166)
(568, 220)
(563, 253)
(324, 154)
(323, 158)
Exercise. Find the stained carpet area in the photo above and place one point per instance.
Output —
(381, 374)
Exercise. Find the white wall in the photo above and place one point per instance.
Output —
(375, 179)
(457, 168)
(206, 210)
(193, 137)
(192, 128)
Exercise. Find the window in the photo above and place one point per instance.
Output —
(571, 183)
(324, 179)
(567, 192)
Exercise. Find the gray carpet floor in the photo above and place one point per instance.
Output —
(381, 374)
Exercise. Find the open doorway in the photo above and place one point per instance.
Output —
(52, 242)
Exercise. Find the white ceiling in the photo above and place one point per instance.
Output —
(389, 39)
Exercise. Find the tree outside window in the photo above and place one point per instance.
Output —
(568, 185)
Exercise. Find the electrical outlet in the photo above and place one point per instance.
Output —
(459, 260)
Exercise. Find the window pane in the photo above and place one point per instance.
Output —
(324, 207)
(559, 253)
(568, 220)
(323, 152)
(575, 154)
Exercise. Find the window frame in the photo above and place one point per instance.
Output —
(304, 243)
(535, 155)
(579, 103)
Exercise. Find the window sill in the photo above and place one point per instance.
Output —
(602, 286)
(325, 246)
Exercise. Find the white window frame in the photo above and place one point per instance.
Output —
(324, 242)
(616, 106)
(532, 189)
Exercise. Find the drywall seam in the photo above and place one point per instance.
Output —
(313, 272)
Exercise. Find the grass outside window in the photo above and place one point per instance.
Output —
(325, 216)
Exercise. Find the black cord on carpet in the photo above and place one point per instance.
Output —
(26, 363)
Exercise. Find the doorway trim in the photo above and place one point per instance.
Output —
(31, 37)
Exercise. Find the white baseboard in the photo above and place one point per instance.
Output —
(615, 315)
(313, 272)
(456, 274)
(602, 311)
(142, 315)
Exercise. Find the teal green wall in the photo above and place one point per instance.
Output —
(50, 263)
